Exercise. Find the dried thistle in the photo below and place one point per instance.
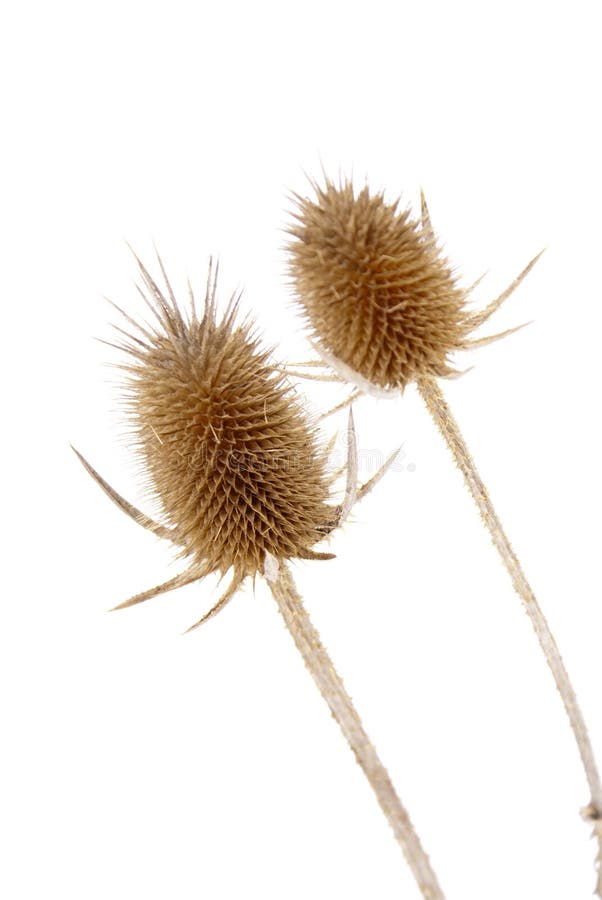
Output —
(242, 482)
(384, 308)
(382, 304)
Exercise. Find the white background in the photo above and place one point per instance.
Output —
(142, 764)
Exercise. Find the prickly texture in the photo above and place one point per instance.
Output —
(373, 286)
(225, 444)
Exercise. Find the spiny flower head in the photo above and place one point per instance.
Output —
(374, 288)
(228, 453)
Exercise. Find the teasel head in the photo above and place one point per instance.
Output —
(384, 308)
(242, 482)
(236, 467)
(383, 305)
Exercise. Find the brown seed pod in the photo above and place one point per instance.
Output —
(375, 290)
(384, 308)
(228, 452)
(242, 483)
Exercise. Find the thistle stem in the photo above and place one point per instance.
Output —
(333, 691)
(447, 425)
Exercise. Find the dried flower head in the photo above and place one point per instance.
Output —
(384, 308)
(242, 483)
(226, 447)
(382, 303)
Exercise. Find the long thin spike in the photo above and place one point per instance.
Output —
(231, 311)
(352, 466)
(147, 334)
(427, 226)
(490, 338)
(350, 399)
(210, 305)
(123, 348)
(151, 306)
(311, 364)
(338, 472)
(172, 296)
(331, 443)
(212, 277)
(372, 482)
(194, 573)
(169, 318)
(130, 337)
(223, 600)
(316, 554)
(480, 317)
(193, 314)
(307, 377)
(175, 307)
(135, 514)
(476, 282)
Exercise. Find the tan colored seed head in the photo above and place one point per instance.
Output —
(228, 451)
(374, 288)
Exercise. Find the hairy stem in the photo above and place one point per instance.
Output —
(332, 689)
(447, 425)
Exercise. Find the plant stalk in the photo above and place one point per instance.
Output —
(447, 425)
(333, 691)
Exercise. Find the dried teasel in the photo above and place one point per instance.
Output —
(382, 304)
(226, 447)
(242, 483)
(384, 308)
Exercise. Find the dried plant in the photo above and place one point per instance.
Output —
(243, 485)
(384, 308)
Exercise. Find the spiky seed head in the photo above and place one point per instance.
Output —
(375, 290)
(225, 443)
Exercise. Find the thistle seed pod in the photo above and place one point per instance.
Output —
(384, 309)
(242, 483)
(228, 452)
(375, 290)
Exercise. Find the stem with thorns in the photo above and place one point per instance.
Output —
(447, 425)
(333, 691)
